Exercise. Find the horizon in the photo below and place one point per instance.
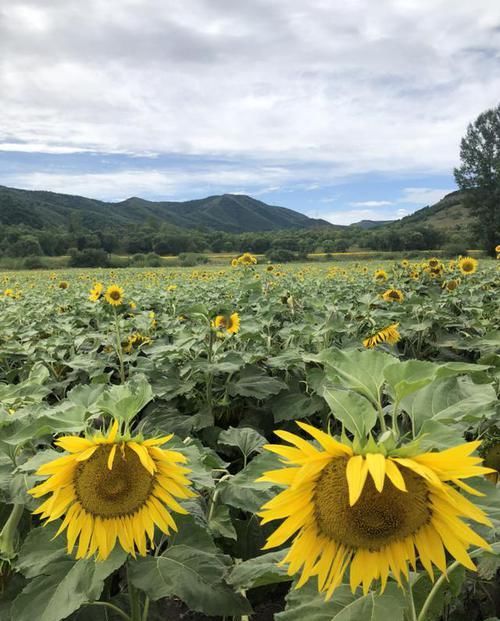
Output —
(340, 113)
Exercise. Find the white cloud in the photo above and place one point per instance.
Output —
(423, 196)
(362, 86)
(371, 203)
(353, 215)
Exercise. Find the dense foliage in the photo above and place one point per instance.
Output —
(479, 173)
(222, 358)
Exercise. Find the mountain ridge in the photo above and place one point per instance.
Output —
(232, 213)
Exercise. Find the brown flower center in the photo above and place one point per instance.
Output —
(123, 490)
(377, 518)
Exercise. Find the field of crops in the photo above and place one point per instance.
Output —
(379, 378)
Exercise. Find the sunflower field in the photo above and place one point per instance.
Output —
(299, 443)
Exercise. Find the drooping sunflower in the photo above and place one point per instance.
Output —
(467, 265)
(389, 334)
(393, 295)
(113, 488)
(114, 295)
(374, 513)
(451, 285)
(230, 323)
(63, 284)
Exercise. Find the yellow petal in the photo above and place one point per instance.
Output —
(144, 456)
(376, 467)
(392, 471)
(111, 457)
(356, 472)
(73, 444)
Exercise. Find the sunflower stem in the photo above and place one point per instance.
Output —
(145, 610)
(8, 533)
(383, 426)
(411, 601)
(119, 349)
(133, 596)
(118, 611)
(435, 590)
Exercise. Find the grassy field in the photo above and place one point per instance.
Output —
(393, 359)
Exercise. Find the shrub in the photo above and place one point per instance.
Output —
(189, 259)
(90, 257)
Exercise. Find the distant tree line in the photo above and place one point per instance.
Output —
(21, 240)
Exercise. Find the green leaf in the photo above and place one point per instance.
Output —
(39, 550)
(391, 604)
(125, 401)
(245, 438)
(259, 571)
(220, 522)
(306, 604)
(194, 576)
(69, 585)
(294, 406)
(361, 371)
(242, 491)
(407, 377)
(254, 382)
(450, 400)
(354, 411)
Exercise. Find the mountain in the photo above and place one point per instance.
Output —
(233, 213)
(371, 224)
(449, 214)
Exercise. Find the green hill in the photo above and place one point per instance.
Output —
(448, 215)
(232, 213)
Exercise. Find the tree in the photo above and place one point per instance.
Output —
(479, 174)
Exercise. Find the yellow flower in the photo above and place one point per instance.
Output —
(112, 489)
(389, 334)
(380, 275)
(9, 293)
(114, 295)
(497, 248)
(467, 265)
(234, 263)
(247, 259)
(63, 284)
(231, 323)
(451, 285)
(171, 287)
(371, 513)
(393, 295)
(96, 292)
(434, 262)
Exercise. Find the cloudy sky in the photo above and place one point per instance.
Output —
(341, 109)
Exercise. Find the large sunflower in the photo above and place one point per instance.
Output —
(467, 265)
(114, 295)
(373, 512)
(111, 487)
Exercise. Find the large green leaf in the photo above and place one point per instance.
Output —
(40, 549)
(253, 382)
(194, 576)
(66, 585)
(355, 412)
(412, 375)
(294, 406)
(449, 400)
(307, 604)
(391, 604)
(361, 371)
(242, 490)
(245, 438)
(259, 571)
(125, 401)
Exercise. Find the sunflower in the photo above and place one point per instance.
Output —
(231, 323)
(497, 248)
(247, 258)
(405, 263)
(380, 275)
(451, 285)
(96, 292)
(112, 487)
(63, 284)
(467, 265)
(389, 334)
(114, 295)
(372, 512)
(490, 452)
(234, 263)
(393, 295)
(433, 262)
